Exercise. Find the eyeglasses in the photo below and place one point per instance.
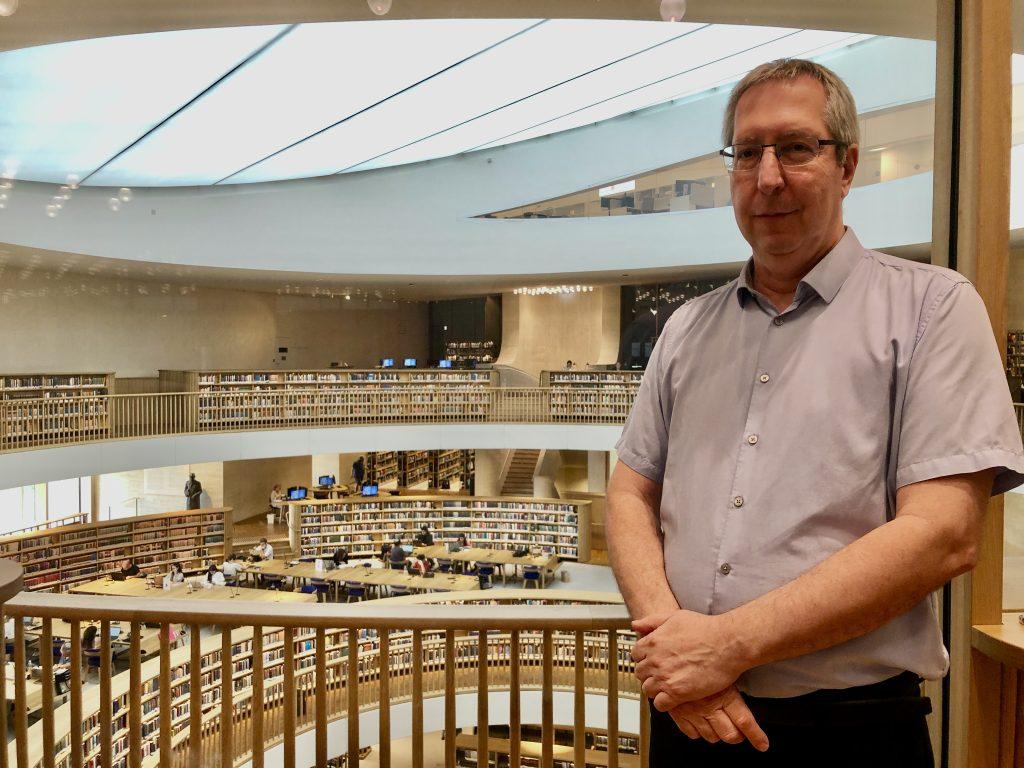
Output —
(797, 151)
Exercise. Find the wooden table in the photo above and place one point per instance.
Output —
(33, 690)
(384, 577)
(545, 563)
(138, 588)
(149, 637)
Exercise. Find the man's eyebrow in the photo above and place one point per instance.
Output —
(750, 139)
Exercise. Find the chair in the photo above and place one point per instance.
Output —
(531, 575)
(273, 582)
(398, 566)
(444, 566)
(355, 590)
(93, 660)
(321, 588)
(484, 572)
(398, 589)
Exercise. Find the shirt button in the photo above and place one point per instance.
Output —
(778, 321)
(725, 568)
(764, 378)
(738, 501)
(752, 439)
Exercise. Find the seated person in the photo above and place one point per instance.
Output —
(128, 567)
(425, 538)
(213, 577)
(397, 556)
(177, 575)
(340, 557)
(230, 568)
(385, 551)
(263, 550)
(421, 565)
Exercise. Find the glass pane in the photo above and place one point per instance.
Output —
(64, 498)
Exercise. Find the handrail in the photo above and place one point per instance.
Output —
(47, 422)
(308, 665)
(57, 522)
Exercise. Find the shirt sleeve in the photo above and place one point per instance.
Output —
(957, 414)
(643, 445)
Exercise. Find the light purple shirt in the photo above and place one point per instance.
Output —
(780, 438)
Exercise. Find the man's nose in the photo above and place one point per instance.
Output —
(769, 172)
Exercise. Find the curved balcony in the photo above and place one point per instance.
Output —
(294, 675)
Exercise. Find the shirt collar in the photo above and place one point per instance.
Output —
(825, 278)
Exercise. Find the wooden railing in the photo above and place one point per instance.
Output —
(295, 668)
(34, 423)
(46, 525)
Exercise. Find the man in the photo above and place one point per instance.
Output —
(425, 538)
(193, 490)
(264, 550)
(397, 555)
(359, 472)
(809, 457)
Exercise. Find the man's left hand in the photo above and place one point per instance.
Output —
(684, 656)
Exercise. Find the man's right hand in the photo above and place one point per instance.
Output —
(723, 716)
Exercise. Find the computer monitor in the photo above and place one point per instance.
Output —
(326, 481)
(115, 632)
(296, 493)
(444, 363)
(387, 362)
(407, 548)
(370, 490)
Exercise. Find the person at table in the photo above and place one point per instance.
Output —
(128, 567)
(397, 557)
(340, 557)
(421, 565)
(263, 550)
(213, 577)
(385, 551)
(425, 538)
(177, 574)
(276, 497)
(230, 568)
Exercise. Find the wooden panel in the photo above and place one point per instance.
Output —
(77, 756)
(321, 696)
(352, 684)
(227, 724)
(135, 702)
(257, 696)
(417, 699)
(46, 659)
(384, 744)
(106, 713)
(288, 668)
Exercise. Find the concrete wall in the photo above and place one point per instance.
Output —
(247, 483)
(543, 332)
(63, 322)
(161, 489)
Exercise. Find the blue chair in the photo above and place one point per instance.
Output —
(444, 566)
(531, 575)
(484, 572)
(322, 590)
(398, 566)
(355, 590)
(398, 589)
(273, 582)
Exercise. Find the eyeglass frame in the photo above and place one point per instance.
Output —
(821, 143)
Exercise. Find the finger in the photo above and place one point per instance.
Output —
(650, 688)
(643, 670)
(648, 624)
(724, 727)
(705, 730)
(686, 726)
(663, 702)
(743, 719)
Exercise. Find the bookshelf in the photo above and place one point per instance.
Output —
(415, 469)
(50, 407)
(531, 740)
(289, 396)
(451, 464)
(382, 468)
(464, 351)
(1015, 361)
(362, 525)
(593, 394)
(56, 560)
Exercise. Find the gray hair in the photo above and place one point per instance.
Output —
(840, 108)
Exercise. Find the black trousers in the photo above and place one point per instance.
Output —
(873, 726)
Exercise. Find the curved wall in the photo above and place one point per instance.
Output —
(410, 219)
(37, 466)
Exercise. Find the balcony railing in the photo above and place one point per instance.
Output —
(45, 422)
(292, 669)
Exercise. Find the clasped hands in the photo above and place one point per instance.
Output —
(688, 664)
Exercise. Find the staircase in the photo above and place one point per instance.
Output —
(521, 468)
(247, 534)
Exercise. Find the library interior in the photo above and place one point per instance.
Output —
(320, 324)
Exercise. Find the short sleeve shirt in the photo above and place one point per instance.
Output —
(781, 438)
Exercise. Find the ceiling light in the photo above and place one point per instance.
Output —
(114, 204)
(125, 194)
(73, 179)
(553, 290)
(7, 7)
(379, 7)
(673, 10)
(51, 211)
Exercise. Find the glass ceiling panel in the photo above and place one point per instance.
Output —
(68, 108)
(713, 71)
(516, 69)
(310, 79)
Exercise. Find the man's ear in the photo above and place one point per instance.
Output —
(850, 167)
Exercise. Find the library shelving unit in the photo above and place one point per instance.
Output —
(227, 397)
(591, 394)
(46, 407)
(1015, 361)
(532, 736)
(414, 468)
(361, 525)
(382, 468)
(478, 351)
(58, 559)
(451, 464)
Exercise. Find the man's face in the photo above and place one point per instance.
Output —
(796, 210)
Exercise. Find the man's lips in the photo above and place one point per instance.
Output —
(773, 215)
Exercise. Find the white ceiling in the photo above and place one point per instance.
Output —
(266, 103)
